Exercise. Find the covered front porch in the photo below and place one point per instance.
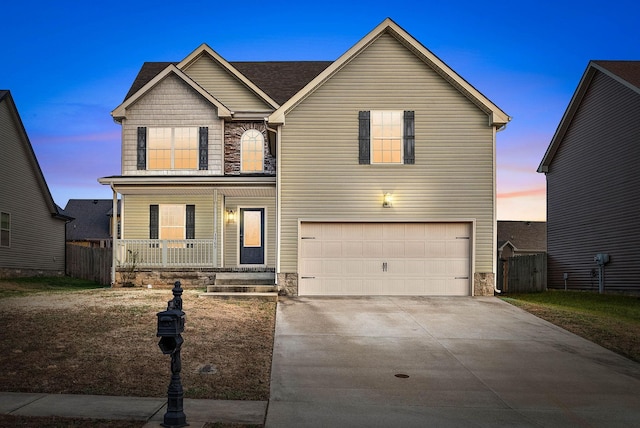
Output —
(225, 223)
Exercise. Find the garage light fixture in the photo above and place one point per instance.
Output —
(387, 200)
(231, 216)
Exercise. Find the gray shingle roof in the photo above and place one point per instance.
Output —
(92, 218)
(627, 70)
(524, 235)
(278, 79)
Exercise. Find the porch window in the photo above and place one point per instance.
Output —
(252, 151)
(172, 222)
(172, 148)
(5, 230)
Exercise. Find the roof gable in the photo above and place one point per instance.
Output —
(625, 72)
(497, 117)
(120, 111)
(203, 53)
(23, 138)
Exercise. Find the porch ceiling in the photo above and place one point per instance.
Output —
(235, 187)
(189, 191)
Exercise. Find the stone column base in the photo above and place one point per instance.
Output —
(483, 283)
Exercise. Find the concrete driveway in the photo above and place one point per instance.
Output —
(440, 362)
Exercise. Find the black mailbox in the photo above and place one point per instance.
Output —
(170, 323)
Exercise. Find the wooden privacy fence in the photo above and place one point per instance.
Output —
(525, 274)
(89, 263)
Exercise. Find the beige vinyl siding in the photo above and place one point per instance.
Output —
(224, 86)
(452, 178)
(135, 224)
(171, 103)
(37, 239)
(231, 229)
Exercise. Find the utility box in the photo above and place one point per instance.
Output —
(601, 259)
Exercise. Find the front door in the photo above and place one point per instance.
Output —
(251, 236)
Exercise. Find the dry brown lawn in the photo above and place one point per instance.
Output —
(104, 342)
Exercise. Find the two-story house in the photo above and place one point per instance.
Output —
(371, 174)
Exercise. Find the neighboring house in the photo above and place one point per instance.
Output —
(31, 224)
(371, 174)
(518, 238)
(593, 183)
(91, 224)
(521, 238)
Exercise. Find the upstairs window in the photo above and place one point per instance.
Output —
(5, 230)
(252, 151)
(386, 137)
(172, 148)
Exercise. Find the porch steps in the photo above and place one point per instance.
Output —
(243, 285)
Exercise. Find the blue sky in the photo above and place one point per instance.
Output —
(69, 64)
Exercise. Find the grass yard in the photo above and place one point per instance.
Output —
(612, 321)
(63, 336)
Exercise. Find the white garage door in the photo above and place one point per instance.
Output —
(418, 259)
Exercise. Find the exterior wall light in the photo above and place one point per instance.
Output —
(231, 216)
(387, 200)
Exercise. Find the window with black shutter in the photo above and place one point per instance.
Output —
(386, 137)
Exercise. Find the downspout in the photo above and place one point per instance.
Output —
(114, 232)
(495, 213)
(215, 227)
(278, 203)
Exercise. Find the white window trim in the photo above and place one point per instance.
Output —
(173, 140)
(161, 225)
(242, 169)
(371, 138)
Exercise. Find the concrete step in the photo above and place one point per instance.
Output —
(268, 296)
(241, 288)
(245, 278)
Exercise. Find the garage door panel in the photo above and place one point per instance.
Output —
(385, 259)
(394, 249)
(415, 249)
(373, 248)
(332, 249)
(310, 248)
(393, 231)
(353, 249)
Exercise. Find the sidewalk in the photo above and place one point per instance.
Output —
(198, 412)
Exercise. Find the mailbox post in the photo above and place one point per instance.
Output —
(170, 327)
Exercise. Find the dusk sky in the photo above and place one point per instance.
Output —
(69, 64)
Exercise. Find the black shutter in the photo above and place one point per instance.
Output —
(142, 147)
(409, 138)
(153, 221)
(190, 227)
(364, 137)
(203, 147)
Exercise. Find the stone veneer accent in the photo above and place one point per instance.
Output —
(232, 133)
(483, 284)
(288, 284)
(159, 278)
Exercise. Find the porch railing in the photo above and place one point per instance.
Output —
(165, 253)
